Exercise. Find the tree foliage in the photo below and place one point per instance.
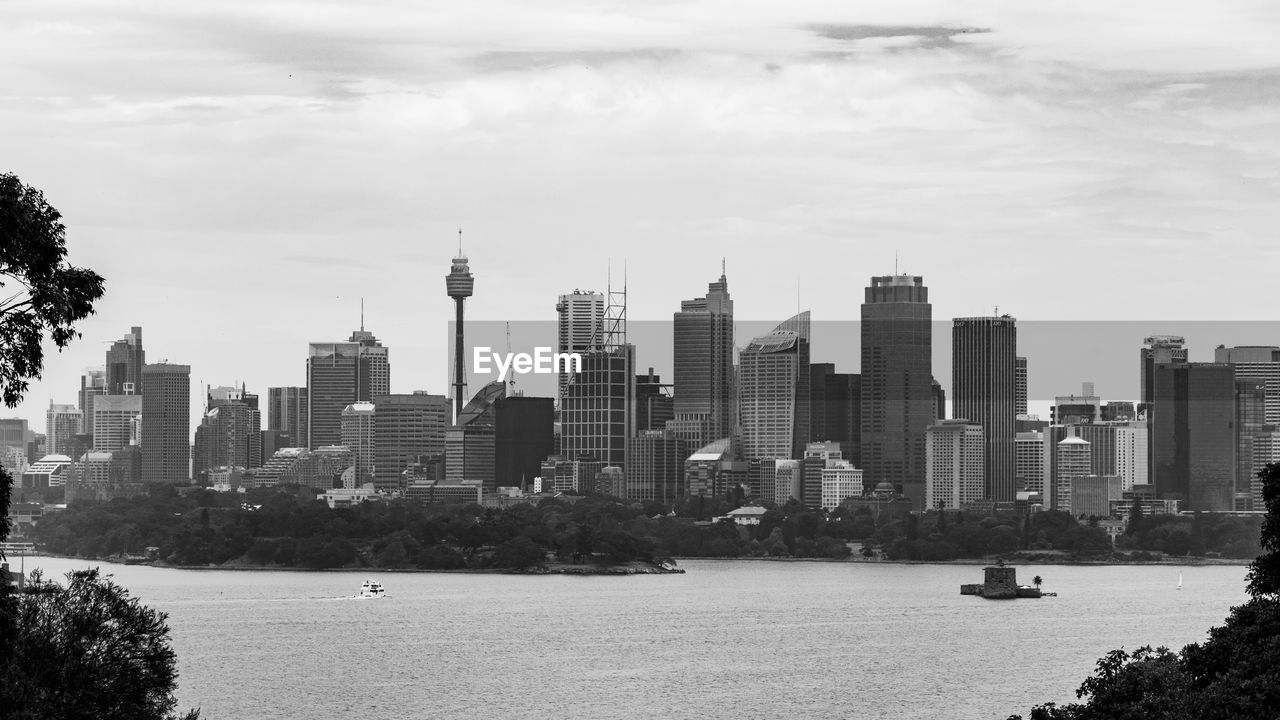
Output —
(40, 294)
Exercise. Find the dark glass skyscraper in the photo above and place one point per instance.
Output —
(166, 423)
(703, 363)
(897, 380)
(1193, 434)
(984, 390)
(125, 359)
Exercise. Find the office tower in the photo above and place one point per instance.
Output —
(1092, 495)
(469, 444)
(357, 434)
(61, 423)
(229, 432)
(287, 413)
(939, 402)
(1075, 459)
(597, 418)
(339, 374)
(773, 391)
(1193, 434)
(1250, 427)
(1077, 409)
(703, 362)
(1028, 463)
(656, 467)
(273, 440)
(954, 464)
(1159, 350)
(655, 406)
(840, 481)
(14, 438)
(523, 437)
(897, 381)
(817, 457)
(460, 284)
(710, 471)
(166, 423)
(1260, 363)
(405, 427)
(1266, 450)
(113, 421)
(93, 382)
(834, 409)
(1020, 385)
(125, 360)
(983, 382)
(1119, 411)
(1117, 448)
(579, 317)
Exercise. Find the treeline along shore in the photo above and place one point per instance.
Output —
(289, 527)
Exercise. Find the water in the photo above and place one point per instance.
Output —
(729, 639)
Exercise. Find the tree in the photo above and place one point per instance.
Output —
(1036, 581)
(87, 650)
(1135, 517)
(40, 294)
(1264, 573)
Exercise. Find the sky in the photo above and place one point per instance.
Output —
(243, 173)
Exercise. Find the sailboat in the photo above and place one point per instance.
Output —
(1179, 579)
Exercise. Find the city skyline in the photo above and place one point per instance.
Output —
(265, 165)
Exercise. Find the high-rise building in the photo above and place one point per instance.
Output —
(125, 360)
(579, 317)
(1028, 463)
(773, 392)
(897, 382)
(287, 413)
(655, 406)
(840, 481)
(114, 419)
(228, 435)
(470, 449)
(1076, 409)
(703, 362)
(61, 423)
(1075, 460)
(1194, 434)
(1260, 363)
(656, 467)
(597, 418)
(954, 462)
(711, 471)
(460, 285)
(1020, 385)
(983, 385)
(1117, 448)
(523, 438)
(1092, 495)
(818, 456)
(1251, 429)
(93, 382)
(357, 434)
(1159, 350)
(166, 423)
(339, 374)
(405, 427)
(835, 409)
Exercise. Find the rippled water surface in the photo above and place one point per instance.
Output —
(728, 639)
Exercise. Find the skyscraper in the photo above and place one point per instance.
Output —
(579, 314)
(598, 415)
(835, 407)
(1256, 362)
(405, 427)
(460, 285)
(1075, 460)
(1194, 435)
(954, 461)
(1159, 350)
(92, 383)
(339, 374)
(773, 392)
(703, 363)
(983, 385)
(113, 421)
(287, 412)
(166, 423)
(357, 434)
(1020, 385)
(523, 438)
(228, 434)
(61, 423)
(897, 380)
(125, 360)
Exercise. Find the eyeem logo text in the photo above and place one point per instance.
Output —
(542, 361)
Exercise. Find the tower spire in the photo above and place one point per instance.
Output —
(361, 314)
(459, 242)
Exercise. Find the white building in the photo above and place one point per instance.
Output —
(955, 467)
(1028, 461)
(787, 478)
(115, 421)
(840, 480)
(1075, 458)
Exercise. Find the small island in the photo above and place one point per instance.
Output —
(1000, 582)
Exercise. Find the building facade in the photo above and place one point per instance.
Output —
(983, 390)
(166, 423)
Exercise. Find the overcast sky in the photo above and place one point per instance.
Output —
(242, 173)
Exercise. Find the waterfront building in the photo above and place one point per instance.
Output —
(1195, 435)
(656, 467)
(711, 471)
(898, 404)
(166, 423)
(835, 407)
(1092, 495)
(954, 464)
(773, 391)
(983, 390)
(787, 481)
(840, 481)
(817, 457)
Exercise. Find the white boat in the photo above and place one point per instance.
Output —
(1179, 579)
(372, 589)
